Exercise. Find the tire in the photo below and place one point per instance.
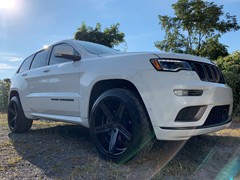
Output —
(17, 122)
(119, 125)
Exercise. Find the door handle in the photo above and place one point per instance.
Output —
(46, 70)
(24, 74)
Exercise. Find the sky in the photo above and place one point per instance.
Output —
(27, 25)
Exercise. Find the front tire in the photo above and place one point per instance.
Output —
(17, 122)
(119, 125)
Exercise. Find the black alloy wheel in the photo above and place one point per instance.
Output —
(17, 122)
(116, 125)
(12, 114)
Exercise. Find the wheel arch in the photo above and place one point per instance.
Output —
(103, 85)
(13, 93)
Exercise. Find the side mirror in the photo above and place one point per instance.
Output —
(68, 56)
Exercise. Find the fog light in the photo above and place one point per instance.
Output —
(191, 114)
(185, 92)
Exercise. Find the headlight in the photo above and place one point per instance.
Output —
(170, 65)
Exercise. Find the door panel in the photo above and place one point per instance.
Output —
(54, 90)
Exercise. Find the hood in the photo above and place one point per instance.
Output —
(182, 57)
(160, 55)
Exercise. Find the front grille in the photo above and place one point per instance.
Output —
(218, 114)
(208, 72)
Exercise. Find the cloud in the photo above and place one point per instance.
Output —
(10, 57)
(14, 58)
(4, 66)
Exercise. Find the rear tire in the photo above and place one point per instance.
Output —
(119, 125)
(17, 122)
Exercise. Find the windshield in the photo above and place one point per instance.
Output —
(98, 49)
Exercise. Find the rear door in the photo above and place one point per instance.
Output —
(35, 78)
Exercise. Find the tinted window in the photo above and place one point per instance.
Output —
(94, 48)
(26, 64)
(63, 48)
(40, 59)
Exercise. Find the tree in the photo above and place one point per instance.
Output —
(196, 29)
(230, 67)
(213, 49)
(109, 37)
(4, 89)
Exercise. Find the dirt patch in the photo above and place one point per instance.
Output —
(64, 151)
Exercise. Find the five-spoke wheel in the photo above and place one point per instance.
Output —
(116, 124)
(17, 121)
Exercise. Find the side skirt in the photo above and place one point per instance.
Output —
(69, 119)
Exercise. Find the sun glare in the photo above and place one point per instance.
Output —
(7, 4)
(45, 46)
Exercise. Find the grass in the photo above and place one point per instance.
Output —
(229, 132)
(14, 160)
(3, 119)
(5, 144)
(3, 115)
(47, 123)
(64, 151)
(1, 168)
(236, 119)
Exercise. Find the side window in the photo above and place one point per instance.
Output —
(40, 59)
(26, 64)
(65, 48)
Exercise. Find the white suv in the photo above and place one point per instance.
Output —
(125, 99)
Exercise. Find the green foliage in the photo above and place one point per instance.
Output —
(196, 29)
(230, 67)
(4, 89)
(213, 49)
(109, 37)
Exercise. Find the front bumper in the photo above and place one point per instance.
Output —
(163, 106)
(184, 133)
